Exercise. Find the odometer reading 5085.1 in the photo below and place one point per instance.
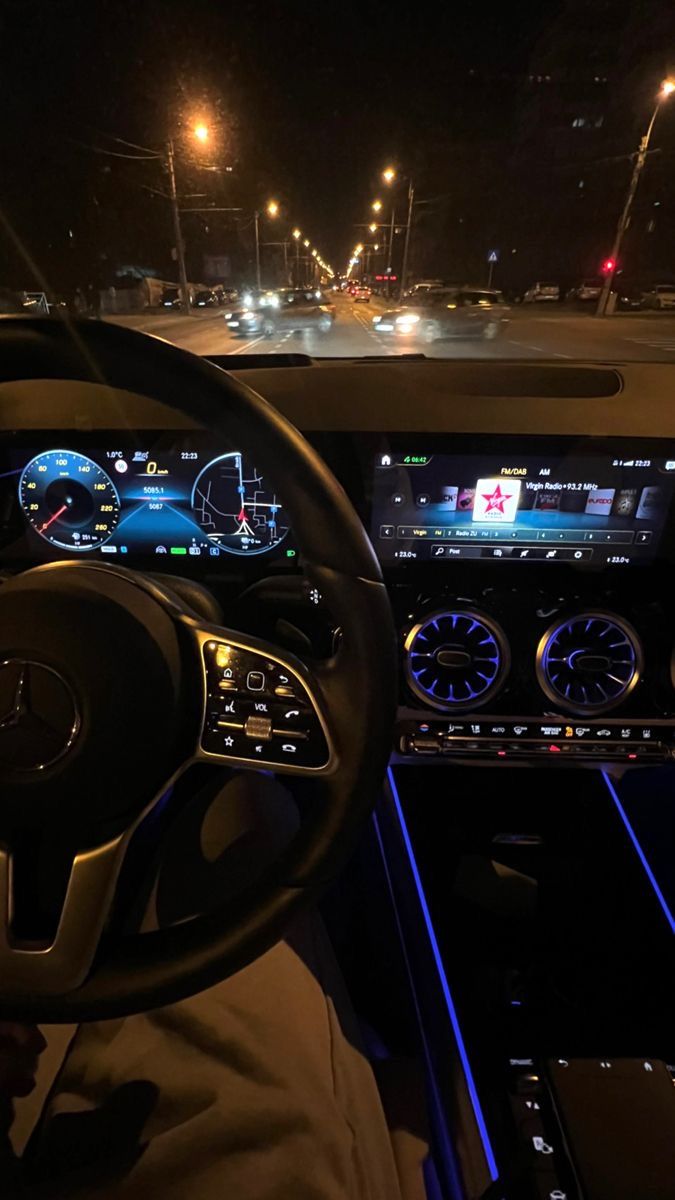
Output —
(69, 500)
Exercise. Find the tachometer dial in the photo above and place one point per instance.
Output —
(69, 500)
(235, 508)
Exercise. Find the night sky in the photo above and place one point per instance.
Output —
(310, 102)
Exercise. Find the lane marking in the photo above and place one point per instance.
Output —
(539, 349)
(653, 343)
(246, 346)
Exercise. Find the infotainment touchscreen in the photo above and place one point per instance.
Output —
(587, 509)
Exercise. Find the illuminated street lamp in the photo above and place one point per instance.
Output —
(389, 175)
(376, 206)
(201, 132)
(372, 227)
(667, 88)
(297, 234)
(272, 208)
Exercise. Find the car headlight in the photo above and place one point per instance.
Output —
(247, 316)
(248, 299)
(412, 319)
(228, 315)
(376, 320)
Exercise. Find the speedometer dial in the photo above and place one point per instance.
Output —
(235, 508)
(69, 500)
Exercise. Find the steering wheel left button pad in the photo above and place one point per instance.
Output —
(259, 710)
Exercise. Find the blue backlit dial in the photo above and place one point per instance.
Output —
(69, 500)
(236, 509)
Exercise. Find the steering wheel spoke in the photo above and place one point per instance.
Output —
(262, 706)
(31, 967)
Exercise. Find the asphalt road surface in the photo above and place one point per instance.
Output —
(533, 332)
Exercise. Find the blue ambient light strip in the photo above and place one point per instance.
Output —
(449, 1003)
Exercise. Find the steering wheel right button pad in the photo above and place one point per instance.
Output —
(259, 711)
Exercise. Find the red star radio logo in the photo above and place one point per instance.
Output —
(496, 501)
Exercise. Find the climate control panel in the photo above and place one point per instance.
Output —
(557, 741)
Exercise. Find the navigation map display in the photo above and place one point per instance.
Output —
(585, 509)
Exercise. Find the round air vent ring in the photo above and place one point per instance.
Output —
(589, 662)
(456, 659)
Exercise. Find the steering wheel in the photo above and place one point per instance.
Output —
(111, 687)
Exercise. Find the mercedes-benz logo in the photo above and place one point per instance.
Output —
(39, 719)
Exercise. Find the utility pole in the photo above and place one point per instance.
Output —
(406, 247)
(256, 218)
(667, 89)
(178, 236)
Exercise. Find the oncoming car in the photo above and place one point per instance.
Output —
(297, 310)
(446, 313)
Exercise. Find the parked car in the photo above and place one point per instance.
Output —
(298, 310)
(542, 293)
(170, 298)
(629, 297)
(588, 289)
(659, 295)
(448, 313)
(362, 294)
(206, 298)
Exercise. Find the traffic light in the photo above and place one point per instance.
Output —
(608, 266)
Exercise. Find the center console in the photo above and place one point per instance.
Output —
(539, 942)
(530, 582)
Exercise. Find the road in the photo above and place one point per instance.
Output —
(531, 333)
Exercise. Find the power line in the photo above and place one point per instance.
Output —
(114, 153)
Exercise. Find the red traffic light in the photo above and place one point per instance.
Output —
(608, 266)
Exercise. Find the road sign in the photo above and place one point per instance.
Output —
(493, 256)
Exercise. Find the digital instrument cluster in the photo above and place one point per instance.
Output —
(576, 505)
(151, 500)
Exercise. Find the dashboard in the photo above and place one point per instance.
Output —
(528, 554)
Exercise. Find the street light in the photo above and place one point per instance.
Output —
(201, 132)
(389, 175)
(297, 234)
(372, 227)
(667, 88)
(272, 210)
(376, 206)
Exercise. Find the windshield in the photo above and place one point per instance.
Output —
(165, 164)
